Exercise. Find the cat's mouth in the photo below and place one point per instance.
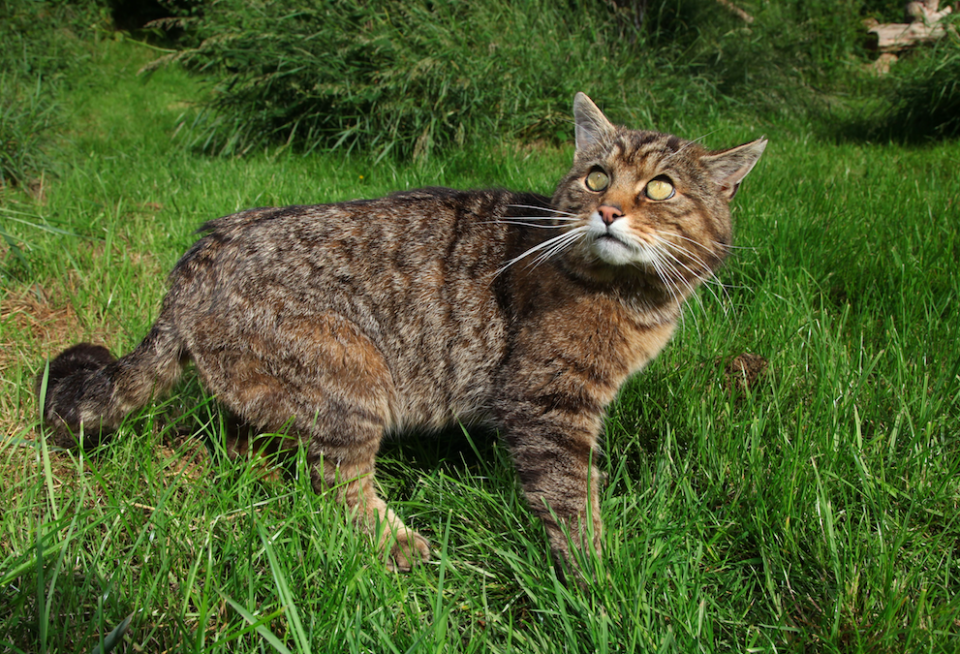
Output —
(612, 240)
(613, 250)
(612, 237)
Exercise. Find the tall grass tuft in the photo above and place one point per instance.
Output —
(40, 49)
(406, 77)
(778, 60)
(26, 119)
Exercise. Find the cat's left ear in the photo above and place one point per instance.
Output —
(729, 167)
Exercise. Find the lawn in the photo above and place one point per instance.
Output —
(812, 507)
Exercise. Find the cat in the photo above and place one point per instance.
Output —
(341, 323)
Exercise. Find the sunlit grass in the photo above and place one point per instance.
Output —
(814, 511)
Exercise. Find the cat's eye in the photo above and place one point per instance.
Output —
(659, 189)
(597, 181)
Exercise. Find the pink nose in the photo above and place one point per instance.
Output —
(609, 213)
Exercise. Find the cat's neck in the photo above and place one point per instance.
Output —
(639, 295)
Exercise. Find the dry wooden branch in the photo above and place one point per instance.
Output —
(737, 10)
(893, 37)
(926, 11)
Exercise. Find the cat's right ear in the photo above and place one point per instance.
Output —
(729, 167)
(592, 125)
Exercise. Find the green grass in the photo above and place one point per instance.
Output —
(816, 512)
(43, 45)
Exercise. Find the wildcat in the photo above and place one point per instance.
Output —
(341, 323)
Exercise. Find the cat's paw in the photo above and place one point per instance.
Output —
(408, 549)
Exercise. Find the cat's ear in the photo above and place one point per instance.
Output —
(592, 125)
(729, 167)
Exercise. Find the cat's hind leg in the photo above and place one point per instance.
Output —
(321, 378)
(353, 484)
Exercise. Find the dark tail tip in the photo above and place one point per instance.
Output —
(80, 357)
(73, 378)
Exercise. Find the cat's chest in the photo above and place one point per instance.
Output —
(596, 341)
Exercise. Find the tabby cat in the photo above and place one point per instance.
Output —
(341, 323)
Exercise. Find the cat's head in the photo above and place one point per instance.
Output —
(647, 204)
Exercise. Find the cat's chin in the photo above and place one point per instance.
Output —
(614, 252)
(608, 260)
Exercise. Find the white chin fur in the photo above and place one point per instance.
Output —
(615, 246)
(614, 252)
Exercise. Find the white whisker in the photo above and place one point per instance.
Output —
(553, 246)
(562, 219)
(668, 246)
(701, 277)
(550, 209)
(560, 246)
(687, 145)
(690, 240)
(664, 273)
(726, 247)
(707, 277)
(517, 222)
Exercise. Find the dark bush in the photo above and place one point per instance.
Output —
(408, 76)
(925, 101)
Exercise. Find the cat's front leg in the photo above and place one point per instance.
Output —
(553, 441)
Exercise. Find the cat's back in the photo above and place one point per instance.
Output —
(415, 272)
(408, 227)
(426, 241)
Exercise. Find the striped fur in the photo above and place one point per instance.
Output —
(341, 323)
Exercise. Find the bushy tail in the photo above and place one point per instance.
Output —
(86, 387)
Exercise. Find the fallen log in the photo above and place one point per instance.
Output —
(894, 37)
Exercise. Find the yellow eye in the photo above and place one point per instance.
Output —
(659, 189)
(597, 181)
